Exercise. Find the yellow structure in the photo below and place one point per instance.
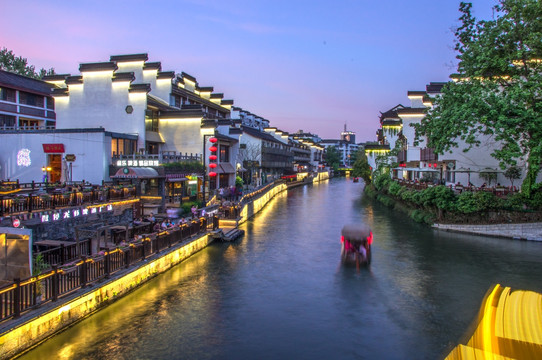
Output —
(509, 326)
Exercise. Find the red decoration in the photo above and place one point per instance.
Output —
(435, 165)
(213, 140)
(429, 164)
(213, 148)
(212, 174)
(212, 165)
(212, 157)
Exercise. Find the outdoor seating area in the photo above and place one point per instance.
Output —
(21, 198)
(459, 188)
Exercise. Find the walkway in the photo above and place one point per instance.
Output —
(522, 231)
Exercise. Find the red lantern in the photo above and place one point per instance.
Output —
(213, 140)
(429, 164)
(213, 148)
(212, 157)
(435, 165)
(212, 174)
(212, 165)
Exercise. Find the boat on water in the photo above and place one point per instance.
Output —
(356, 179)
(356, 241)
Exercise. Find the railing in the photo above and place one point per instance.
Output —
(24, 295)
(19, 203)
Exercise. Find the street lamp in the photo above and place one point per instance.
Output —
(46, 170)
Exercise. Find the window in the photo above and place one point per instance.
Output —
(7, 120)
(50, 103)
(122, 146)
(224, 153)
(31, 99)
(7, 94)
(151, 120)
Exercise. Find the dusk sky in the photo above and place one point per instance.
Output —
(310, 65)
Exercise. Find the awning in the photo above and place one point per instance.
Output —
(135, 173)
(225, 168)
(154, 137)
(177, 179)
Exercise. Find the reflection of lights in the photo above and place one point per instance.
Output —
(509, 326)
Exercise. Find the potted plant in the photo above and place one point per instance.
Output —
(39, 266)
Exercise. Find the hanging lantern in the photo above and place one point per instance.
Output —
(213, 140)
(435, 165)
(212, 174)
(212, 157)
(213, 148)
(212, 165)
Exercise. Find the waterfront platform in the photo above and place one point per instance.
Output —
(519, 231)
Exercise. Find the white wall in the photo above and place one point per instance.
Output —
(92, 151)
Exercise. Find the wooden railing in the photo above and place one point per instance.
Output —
(24, 295)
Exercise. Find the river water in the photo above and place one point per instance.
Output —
(280, 291)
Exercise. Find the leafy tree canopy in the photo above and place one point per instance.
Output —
(332, 156)
(19, 65)
(498, 88)
(361, 167)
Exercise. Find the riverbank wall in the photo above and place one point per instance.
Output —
(518, 231)
(19, 335)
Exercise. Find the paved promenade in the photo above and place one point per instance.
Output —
(526, 231)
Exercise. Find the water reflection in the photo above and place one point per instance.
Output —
(279, 292)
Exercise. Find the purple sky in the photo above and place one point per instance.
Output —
(310, 65)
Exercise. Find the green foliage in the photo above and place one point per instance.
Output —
(498, 90)
(382, 182)
(394, 188)
(386, 200)
(39, 265)
(332, 157)
(187, 206)
(361, 167)
(19, 65)
(238, 181)
(488, 177)
(186, 166)
(513, 173)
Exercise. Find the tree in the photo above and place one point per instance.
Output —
(332, 157)
(19, 65)
(361, 167)
(498, 88)
(513, 173)
(250, 156)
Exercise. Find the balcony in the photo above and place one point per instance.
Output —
(427, 154)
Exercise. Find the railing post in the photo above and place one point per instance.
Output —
(55, 283)
(30, 201)
(83, 272)
(62, 254)
(144, 245)
(107, 263)
(17, 298)
(127, 257)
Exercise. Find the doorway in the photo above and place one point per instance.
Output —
(54, 161)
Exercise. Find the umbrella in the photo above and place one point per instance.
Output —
(427, 170)
(489, 170)
(355, 232)
(464, 170)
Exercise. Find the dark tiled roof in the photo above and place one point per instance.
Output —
(391, 113)
(217, 96)
(205, 89)
(416, 93)
(411, 111)
(159, 103)
(57, 77)
(134, 88)
(435, 87)
(259, 134)
(189, 77)
(236, 131)
(123, 76)
(24, 83)
(129, 57)
(226, 102)
(74, 80)
(166, 75)
(60, 92)
(99, 66)
(377, 146)
(226, 138)
(153, 66)
(391, 122)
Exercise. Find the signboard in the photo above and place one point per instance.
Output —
(53, 148)
(70, 157)
(16, 223)
(137, 163)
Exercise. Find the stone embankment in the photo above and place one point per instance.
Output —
(521, 231)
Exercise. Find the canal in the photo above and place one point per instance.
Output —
(280, 292)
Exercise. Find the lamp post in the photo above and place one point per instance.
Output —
(46, 170)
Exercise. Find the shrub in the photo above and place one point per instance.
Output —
(445, 198)
(394, 188)
(466, 203)
(381, 182)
